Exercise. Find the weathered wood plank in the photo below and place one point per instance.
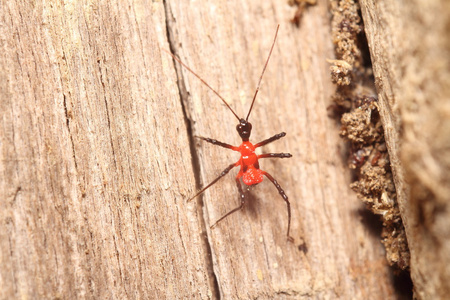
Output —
(94, 177)
(227, 44)
(96, 159)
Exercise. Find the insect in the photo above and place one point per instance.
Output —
(249, 172)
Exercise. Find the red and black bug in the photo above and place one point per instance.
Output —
(249, 171)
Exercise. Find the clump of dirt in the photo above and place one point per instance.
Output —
(355, 103)
(345, 28)
(374, 185)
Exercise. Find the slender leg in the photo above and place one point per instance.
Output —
(217, 143)
(271, 139)
(283, 195)
(241, 196)
(278, 155)
(224, 172)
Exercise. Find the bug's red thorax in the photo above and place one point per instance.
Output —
(248, 155)
(250, 172)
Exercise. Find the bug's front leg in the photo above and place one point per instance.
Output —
(217, 143)
(271, 139)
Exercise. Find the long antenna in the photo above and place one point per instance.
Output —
(189, 69)
(260, 78)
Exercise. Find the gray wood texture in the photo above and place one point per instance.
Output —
(97, 156)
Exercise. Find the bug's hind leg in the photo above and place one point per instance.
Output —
(285, 198)
(224, 172)
(241, 196)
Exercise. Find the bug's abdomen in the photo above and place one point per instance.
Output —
(252, 176)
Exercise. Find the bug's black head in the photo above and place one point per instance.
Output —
(244, 128)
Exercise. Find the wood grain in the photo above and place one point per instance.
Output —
(94, 202)
(98, 156)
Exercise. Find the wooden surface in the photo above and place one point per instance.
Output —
(93, 199)
(97, 156)
(410, 50)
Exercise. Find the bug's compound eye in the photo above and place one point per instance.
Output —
(244, 129)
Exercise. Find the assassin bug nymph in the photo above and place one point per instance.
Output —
(249, 171)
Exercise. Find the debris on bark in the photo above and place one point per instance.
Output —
(355, 103)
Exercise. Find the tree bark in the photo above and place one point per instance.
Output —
(410, 49)
(98, 156)
(93, 202)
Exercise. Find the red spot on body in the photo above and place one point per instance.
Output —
(252, 176)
